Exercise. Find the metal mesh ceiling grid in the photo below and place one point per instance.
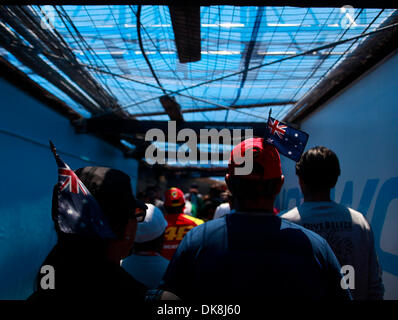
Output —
(233, 38)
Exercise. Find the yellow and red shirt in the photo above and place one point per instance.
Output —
(178, 225)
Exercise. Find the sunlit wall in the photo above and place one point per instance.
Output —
(360, 125)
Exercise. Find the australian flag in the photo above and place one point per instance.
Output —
(78, 211)
(289, 141)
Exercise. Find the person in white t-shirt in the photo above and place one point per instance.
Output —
(225, 207)
(145, 263)
(346, 230)
(188, 207)
(222, 210)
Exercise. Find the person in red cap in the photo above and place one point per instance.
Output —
(252, 253)
(178, 223)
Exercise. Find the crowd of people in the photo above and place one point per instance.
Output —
(197, 205)
(228, 244)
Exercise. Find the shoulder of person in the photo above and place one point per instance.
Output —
(224, 205)
(321, 248)
(292, 214)
(359, 219)
(205, 230)
(192, 219)
(313, 237)
(125, 282)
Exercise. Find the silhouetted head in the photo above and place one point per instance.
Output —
(149, 235)
(112, 190)
(152, 193)
(174, 201)
(318, 170)
(265, 179)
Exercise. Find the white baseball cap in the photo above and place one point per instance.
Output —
(152, 227)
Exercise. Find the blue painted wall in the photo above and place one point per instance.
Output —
(28, 172)
(360, 125)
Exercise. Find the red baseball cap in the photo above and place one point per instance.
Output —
(266, 160)
(174, 197)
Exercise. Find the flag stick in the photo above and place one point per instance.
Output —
(54, 151)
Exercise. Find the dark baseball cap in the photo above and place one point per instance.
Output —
(110, 187)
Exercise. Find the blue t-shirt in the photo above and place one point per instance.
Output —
(253, 256)
(147, 269)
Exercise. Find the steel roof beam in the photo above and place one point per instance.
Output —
(191, 110)
(131, 126)
(186, 26)
(172, 108)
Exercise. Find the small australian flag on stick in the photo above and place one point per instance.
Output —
(78, 211)
(289, 141)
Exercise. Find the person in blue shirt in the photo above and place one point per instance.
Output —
(252, 253)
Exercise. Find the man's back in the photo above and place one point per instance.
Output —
(351, 238)
(253, 256)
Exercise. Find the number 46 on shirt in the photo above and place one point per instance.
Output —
(176, 232)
